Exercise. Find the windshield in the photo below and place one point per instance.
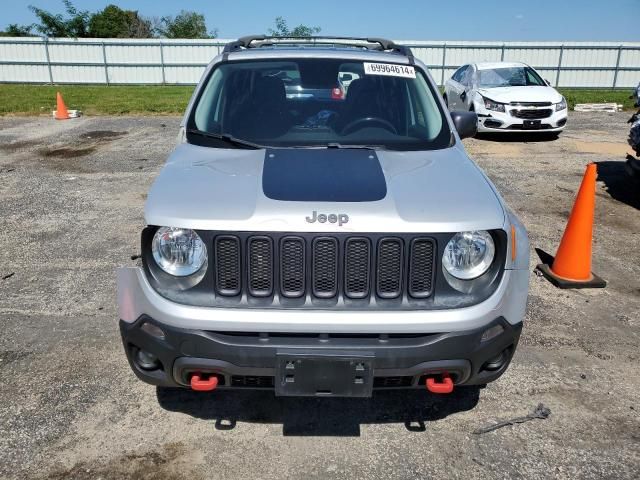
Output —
(318, 103)
(509, 77)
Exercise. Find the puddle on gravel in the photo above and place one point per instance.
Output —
(68, 157)
(172, 461)
(10, 356)
(67, 152)
(101, 135)
(19, 145)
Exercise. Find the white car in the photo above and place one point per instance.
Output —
(507, 97)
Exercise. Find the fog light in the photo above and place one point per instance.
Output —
(492, 123)
(496, 362)
(147, 360)
(492, 332)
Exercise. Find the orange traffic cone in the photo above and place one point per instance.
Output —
(571, 267)
(61, 112)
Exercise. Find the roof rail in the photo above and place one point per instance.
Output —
(366, 43)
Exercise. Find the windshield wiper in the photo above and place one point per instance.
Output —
(236, 142)
(349, 146)
(228, 139)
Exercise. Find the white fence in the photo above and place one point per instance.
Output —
(180, 62)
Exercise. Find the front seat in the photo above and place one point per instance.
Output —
(264, 114)
(363, 100)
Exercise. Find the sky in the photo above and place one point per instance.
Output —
(501, 20)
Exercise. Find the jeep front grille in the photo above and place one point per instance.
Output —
(389, 272)
(260, 276)
(324, 272)
(421, 268)
(357, 267)
(228, 269)
(292, 267)
(341, 267)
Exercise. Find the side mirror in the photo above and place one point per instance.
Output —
(547, 82)
(466, 123)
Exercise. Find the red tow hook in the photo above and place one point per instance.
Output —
(446, 386)
(206, 385)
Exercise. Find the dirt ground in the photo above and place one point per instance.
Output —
(71, 200)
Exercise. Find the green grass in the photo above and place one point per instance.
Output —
(579, 95)
(172, 100)
(95, 99)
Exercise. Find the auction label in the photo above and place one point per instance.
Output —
(389, 69)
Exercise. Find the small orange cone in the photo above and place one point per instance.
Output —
(61, 112)
(571, 267)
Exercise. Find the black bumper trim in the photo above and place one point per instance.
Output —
(182, 352)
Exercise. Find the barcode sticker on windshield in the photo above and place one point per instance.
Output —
(389, 69)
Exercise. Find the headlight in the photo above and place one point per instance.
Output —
(562, 105)
(178, 251)
(491, 105)
(469, 254)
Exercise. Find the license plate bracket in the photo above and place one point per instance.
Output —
(324, 374)
(532, 124)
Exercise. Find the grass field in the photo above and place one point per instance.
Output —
(172, 100)
(577, 95)
(95, 99)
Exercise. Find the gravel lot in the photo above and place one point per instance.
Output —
(71, 200)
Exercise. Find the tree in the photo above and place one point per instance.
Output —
(15, 30)
(76, 24)
(186, 25)
(113, 22)
(282, 30)
(140, 27)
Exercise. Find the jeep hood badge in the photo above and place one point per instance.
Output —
(339, 218)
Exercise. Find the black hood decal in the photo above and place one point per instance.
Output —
(323, 175)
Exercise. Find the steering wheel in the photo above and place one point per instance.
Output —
(360, 123)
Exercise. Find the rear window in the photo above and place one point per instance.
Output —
(318, 103)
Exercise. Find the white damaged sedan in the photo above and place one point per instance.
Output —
(507, 97)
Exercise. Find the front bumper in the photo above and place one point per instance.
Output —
(249, 360)
(241, 346)
(492, 121)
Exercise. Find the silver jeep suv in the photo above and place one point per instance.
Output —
(322, 241)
